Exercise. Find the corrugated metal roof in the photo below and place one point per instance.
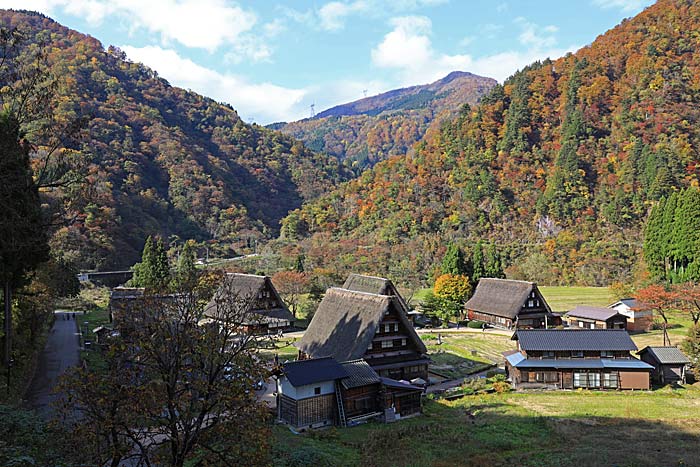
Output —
(392, 383)
(315, 370)
(359, 374)
(584, 364)
(574, 339)
(515, 358)
(593, 312)
(666, 355)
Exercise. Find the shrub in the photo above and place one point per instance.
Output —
(501, 387)
(475, 324)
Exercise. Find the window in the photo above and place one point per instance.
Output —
(592, 325)
(580, 324)
(396, 327)
(607, 354)
(387, 344)
(577, 354)
(548, 354)
(403, 342)
(387, 328)
(369, 347)
(317, 391)
(586, 380)
(530, 303)
(610, 379)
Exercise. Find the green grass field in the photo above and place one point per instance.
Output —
(659, 428)
(566, 298)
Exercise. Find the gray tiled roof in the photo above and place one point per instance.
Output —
(584, 363)
(574, 339)
(666, 355)
(593, 312)
(359, 374)
(315, 370)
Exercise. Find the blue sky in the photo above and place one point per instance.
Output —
(272, 59)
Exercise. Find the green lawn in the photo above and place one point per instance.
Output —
(461, 354)
(566, 298)
(284, 348)
(658, 428)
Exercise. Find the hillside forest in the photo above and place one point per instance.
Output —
(558, 167)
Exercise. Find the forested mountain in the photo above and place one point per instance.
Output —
(164, 160)
(559, 166)
(372, 129)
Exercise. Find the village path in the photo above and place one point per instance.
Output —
(62, 351)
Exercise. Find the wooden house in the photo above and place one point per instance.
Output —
(360, 391)
(122, 300)
(510, 304)
(576, 358)
(263, 308)
(639, 317)
(319, 392)
(594, 317)
(350, 325)
(670, 364)
(308, 393)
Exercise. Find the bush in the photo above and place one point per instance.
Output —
(501, 387)
(475, 324)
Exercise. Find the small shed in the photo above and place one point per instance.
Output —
(400, 399)
(307, 392)
(360, 391)
(640, 317)
(670, 364)
(594, 317)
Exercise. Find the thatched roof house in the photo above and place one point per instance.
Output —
(349, 325)
(374, 285)
(264, 308)
(509, 303)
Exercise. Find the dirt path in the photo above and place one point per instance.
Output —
(61, 352)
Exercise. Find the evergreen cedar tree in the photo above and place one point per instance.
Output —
(561, 163)
(672, 237)
(23, 236)
(153, 272)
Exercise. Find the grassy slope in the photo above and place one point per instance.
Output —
(566, 298)
(581, 428)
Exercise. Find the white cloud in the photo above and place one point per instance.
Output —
(408, 50)
(627, 6)
(263, 102)
(332, 15)
(535, 36)
(204, 24)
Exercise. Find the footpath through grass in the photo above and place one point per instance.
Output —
(543, 429)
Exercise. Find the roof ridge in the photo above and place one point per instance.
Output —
(358, 292)
(244, 274)
(507, 280)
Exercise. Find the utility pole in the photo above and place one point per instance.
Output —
(312, 107)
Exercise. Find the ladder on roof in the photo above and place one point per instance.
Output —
(341, 409)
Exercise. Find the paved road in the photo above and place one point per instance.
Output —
(61, 352)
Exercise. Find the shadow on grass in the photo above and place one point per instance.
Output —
(454, 366)
(485, 432)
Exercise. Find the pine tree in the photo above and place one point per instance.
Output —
(453, 262)
(493, 265)
(654, 241)
(667, 244)
(186, 273)
(23, 237)
(161, 265)
(478, 270)
(299, 264)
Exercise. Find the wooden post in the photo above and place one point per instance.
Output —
(8, 331)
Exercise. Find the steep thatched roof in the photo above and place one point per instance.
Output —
(374, 285)
(502, 297)
(346, 322)
(247, 287)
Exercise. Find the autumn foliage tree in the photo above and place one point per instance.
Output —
(291, 285)
(661, 299)
(178, 386)
(452, 291)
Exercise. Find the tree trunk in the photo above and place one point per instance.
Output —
(7, 295)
